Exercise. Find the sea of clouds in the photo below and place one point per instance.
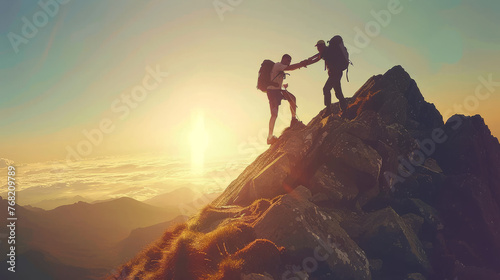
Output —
(140, 177)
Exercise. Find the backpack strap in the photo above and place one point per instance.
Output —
(281, 73)
(276, 76)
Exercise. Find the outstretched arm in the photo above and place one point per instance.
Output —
(296, 65)
(314, 59)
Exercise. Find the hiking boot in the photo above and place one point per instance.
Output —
(294, 122)
(272, 140)
(343, 108)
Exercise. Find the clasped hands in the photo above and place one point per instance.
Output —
(305, 63)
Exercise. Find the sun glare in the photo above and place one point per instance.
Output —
(199, 142)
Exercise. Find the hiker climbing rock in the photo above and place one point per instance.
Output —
(336, 60)
(271, 77)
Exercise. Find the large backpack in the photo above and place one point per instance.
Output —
(264, 79)
(336, 55)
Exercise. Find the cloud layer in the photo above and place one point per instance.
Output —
(139, 177)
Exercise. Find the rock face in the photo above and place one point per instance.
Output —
(300, 226)
(385, 235)
(470, 200)
(386, 190)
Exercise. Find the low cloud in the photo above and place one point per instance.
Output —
(4, 162)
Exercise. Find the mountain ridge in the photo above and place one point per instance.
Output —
(82, 239)
(385, 190)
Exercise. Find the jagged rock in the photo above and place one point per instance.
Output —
(463, 272)
(376, 268)
(259, 256)
(415, 276)
(273, 172)
(320, 198)
(269, 183)
(425, 183)
(396, 97)
(314, 240)
(350, 151)
(470, 148)
(472, 220)
(413, 221)
(432, 222)
(470, 200)
(367, 126)
(335, 192)
(255, 276)
(385, 235)
(357, 165)
(352, 166)
(350, 147)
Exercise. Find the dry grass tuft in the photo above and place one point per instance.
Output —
(206, 249)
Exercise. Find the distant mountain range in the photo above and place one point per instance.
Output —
(49, 204)
(85, 240)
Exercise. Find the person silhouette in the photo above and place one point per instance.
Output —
(275, 94)
(336, 60)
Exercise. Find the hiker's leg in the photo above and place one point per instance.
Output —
(327, 91)
(337, 76)
(274, 102)
(272, 121)
(292, 100)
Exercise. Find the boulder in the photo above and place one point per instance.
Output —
(269, 183)
(327, 183)
(397, 99)
(314, 240)
(274, 172)
(415, 276)
(356, 164)
(385, 235)
(350, 152)
(471, 220)
(413, 221)
(432, 223)
(376, 268)
(255, 276)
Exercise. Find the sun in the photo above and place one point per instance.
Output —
(199, 140)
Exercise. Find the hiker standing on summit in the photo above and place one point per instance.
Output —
(336, 60)
(275, 94)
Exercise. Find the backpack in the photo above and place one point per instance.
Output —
(336, 55)
(264, 80)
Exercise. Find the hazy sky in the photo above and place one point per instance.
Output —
(101, 65)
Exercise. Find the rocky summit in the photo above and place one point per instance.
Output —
(384, 190)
